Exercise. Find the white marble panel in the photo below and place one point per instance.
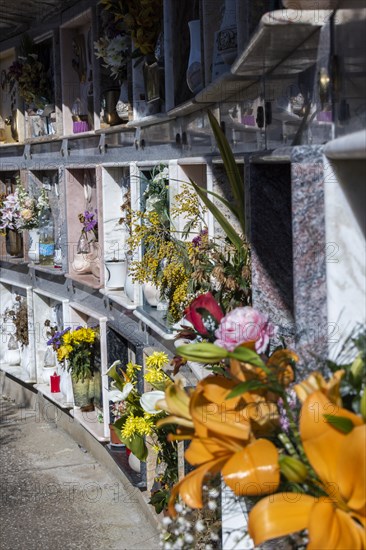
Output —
(346, 247)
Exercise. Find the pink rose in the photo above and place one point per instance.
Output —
(244, 324)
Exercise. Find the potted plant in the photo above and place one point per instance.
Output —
(76, 351)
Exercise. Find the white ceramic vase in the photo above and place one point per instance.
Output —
(194, 70)
(227, 39)
(33, 252)
(47, 372)
(151, 293)
(134, 463)
(129, 284)
(13, 357)
(116, 273)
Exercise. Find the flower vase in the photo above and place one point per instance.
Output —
(227, 39)
(129, 284)
(33, 251)
(115, 441)
(94, 258)
(111, 100)
(116, 273)
(122, 106)
(134, 463)
(81, 390)
(81, 262)
(14, 243)
(194, 70)
(151, 293)
(49, 365)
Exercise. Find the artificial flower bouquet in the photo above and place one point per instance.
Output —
(75, 350)
(297, 445)
(19, 211)
(115, 52)
(137, 417)
(31, 75)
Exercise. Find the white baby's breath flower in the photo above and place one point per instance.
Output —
(199, 526)
(166, 521)
(212, 505)
(178, 507)
(188, 538)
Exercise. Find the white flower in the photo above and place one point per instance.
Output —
(166, 521)
(115, 364)
(178, 507)
(212, 505)
(149, 400)
(116, 395)
(199, 526)
(188, 538)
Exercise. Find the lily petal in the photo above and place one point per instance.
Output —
(321, 441)
(331, 528)
(279, 515)
(177, 401)
(149, 399)
(352, 481)
(254, 470)
(190, 487)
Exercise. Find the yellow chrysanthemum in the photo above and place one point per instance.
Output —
(67, 338)
(63, 352)
(131, 371)
(157, 359)
(137, 425)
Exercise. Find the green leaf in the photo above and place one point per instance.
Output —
(246, 355)
(232, 235)
(202, 353)
(243, 387)
(231, 168)
(136, 444)
(340, 423)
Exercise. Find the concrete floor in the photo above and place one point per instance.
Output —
(56, 495)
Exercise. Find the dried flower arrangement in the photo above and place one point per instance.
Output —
(19, 316)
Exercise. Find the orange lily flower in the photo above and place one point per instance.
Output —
(223, 442)
(338, 520)
(316, 382)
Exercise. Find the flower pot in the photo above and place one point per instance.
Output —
(116, 273)
(115, 441)
(151, 293)
(194, 70)
(33, 251)
(134, 463)
(81, 391)
(14, 243)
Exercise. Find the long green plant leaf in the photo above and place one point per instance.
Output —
(220, 218)
(231, 168)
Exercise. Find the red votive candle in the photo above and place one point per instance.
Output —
(55, 383)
